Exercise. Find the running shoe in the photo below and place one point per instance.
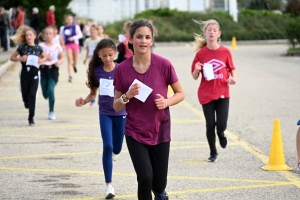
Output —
(162, 196)
(213, 158)
(115, 157)
(75, 69)
(70, 79)
(51, 116)
(223, 140)
(109, 192)
(31, 122)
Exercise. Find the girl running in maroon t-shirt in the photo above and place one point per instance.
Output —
(147, 127)
(214, 63)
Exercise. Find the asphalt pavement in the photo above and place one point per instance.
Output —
(61, 159)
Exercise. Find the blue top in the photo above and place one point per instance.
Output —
(106, 102)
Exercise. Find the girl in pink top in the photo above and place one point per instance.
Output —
(147, 127)
(214, 63)
(49, 68)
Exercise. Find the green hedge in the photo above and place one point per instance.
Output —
(174, 25)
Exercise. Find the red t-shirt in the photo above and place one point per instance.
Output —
(145, 123)
(221, 60)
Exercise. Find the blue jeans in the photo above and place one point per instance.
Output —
(3, 38)
(112, 132)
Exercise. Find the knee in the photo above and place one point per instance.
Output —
(107, 148)
(210, 126)
(145, 179)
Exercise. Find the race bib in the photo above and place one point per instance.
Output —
(32, 60)
(106, 87)
(67, 32)
(92, 49)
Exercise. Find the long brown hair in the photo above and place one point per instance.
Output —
(97, 62)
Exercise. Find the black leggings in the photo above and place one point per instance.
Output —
(151, 166)
(216, 115)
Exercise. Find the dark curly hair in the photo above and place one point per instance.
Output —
(97, 62)
(138, 24)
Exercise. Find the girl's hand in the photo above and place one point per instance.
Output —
(71, 39)
(23, 58)
(57, 64)
(198, 67)
(231, 81)
(84, 61)
(79, 102)
(161, 102)
(133, 90)
(49, 58)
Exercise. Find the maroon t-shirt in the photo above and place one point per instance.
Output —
(145, 123)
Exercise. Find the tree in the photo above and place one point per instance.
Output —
(259, 4)
(61, 8)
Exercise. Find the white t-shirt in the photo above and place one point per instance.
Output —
(91, 45)
(56, 39)
(53, 51)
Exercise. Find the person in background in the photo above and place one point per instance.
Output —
(35, 22)
(101, 32)
(57, 39)
(213, 92)
(19, 21)
(124, 51)
(4, 28)
(13, 17)
(30, 55)
(298, 147)
(50, 17)
(81, 25)
(49, 68)
(71, 34)
(87, 29)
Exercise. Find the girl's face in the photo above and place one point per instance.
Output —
(94, 32)
(100, 30)
(49, 34)
(107, 55)
(212, 32)
(30, 36)
(142, 39)
(69, 20)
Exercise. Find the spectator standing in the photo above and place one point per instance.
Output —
(81, 25)
(4, 27)
(19, 20)
(13, 21)
(50, 17)
(35, 22)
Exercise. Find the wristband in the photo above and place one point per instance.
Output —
(84, 102)
(122, 100)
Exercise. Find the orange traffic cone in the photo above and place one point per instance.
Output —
(276, 159)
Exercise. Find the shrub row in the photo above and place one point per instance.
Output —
(176, 25)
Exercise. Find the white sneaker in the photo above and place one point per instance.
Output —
(109, 192)
(115, 157)
(52, 116)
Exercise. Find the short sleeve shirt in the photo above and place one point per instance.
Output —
(145, 123)
(91, 45)
(52, 51)
(25, 49)
(222, 63)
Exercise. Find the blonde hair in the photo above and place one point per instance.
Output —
(20, 36)
(41, 36)
(126, 26)
(200, 41)
(95, 26)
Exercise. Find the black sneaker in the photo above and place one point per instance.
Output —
(212, 158)
(223, 140)
(75, 69)
(31, 122)
(162, 196)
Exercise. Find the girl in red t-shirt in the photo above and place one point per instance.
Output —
(214, 63)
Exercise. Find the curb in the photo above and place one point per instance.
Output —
(239, 42)
(5, 66)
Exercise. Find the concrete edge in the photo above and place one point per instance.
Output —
(5, 66)
(239, 42)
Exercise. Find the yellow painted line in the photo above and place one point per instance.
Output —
(51, 136)
(202, 190)
(48, 155)
(133, 175)
(251, 149)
